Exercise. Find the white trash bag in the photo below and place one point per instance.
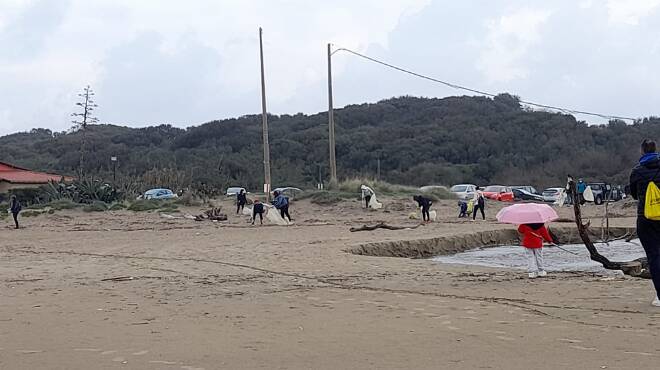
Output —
(273, 215)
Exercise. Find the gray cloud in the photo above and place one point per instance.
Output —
(184, 65)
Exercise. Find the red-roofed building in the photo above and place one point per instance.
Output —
(12, 177)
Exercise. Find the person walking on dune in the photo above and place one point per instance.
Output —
(643, 188)
(15, 208)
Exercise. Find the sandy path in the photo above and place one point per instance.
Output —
(210, 296)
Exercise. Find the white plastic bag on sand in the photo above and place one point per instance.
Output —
(273, 216)
(433, 215)
(374, 204)
(588, 194)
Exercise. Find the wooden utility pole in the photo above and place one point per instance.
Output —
(264, 119)
(331, 122)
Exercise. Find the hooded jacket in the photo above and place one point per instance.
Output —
(647, 170)
(533, 238)
(280, 201)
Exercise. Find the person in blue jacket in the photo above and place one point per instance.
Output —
(282, 203)
(647, 170)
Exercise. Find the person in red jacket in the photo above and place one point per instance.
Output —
(533, 236)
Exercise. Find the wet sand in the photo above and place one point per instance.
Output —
(204, 295)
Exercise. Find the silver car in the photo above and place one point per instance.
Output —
(464, 191)
(551, 194)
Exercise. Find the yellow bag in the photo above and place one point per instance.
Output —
(652, 202)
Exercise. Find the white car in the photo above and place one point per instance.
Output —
(551, 195)
(464, 191)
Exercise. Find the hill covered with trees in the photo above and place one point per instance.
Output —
(419, 141)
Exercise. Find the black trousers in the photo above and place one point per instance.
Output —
(367, 199)
(15, 215)
(426, 216)
(478, 207)
(254, 216)
(239, 207)
(649, 234)
(284, 211)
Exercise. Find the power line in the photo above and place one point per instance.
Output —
(459, 87)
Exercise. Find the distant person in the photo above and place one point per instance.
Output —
(648, 230)
(258, 209)
(241, 201)
(425, 204)
(282, 203)
(367, 193)
(15, 208)
(479, 204)
(533, 237)
(462, 209)
(581, 188)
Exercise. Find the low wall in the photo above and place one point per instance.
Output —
(451, 244)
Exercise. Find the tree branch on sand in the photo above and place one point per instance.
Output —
(382, 225)
(636, 268)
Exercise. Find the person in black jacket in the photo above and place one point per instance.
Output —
(425, 204)
(647, 170)
(15, 208)
(479, 204)
(258, 209)
(241, 200)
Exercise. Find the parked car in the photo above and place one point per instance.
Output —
(498, 192)
(289, 191)
(605, 192)
(232, 191)
(551, 195)
(464, 191)
(528, 188)
(522, 194)
(159, 194)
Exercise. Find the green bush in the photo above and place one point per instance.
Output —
(31, 213)
(188, 199)
(142, 205)
(326, 197)
(116, 206)
(61, 204)
(96, 206)
(438, 194)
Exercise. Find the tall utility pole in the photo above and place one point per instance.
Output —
(331, 122)
(264, 119)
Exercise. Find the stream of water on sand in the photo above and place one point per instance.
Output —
(514, 257)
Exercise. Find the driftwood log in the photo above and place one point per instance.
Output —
(213, 214)
(382, 225)
(636, 268)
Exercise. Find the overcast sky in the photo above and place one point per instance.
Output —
(189, 62)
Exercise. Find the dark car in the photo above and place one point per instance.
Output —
(528, 188)
(605, 192)
(522, 194)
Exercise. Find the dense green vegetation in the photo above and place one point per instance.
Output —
(419, 142)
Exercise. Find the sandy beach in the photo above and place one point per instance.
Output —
(125, 290)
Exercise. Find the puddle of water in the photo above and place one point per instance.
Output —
(514, 257)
